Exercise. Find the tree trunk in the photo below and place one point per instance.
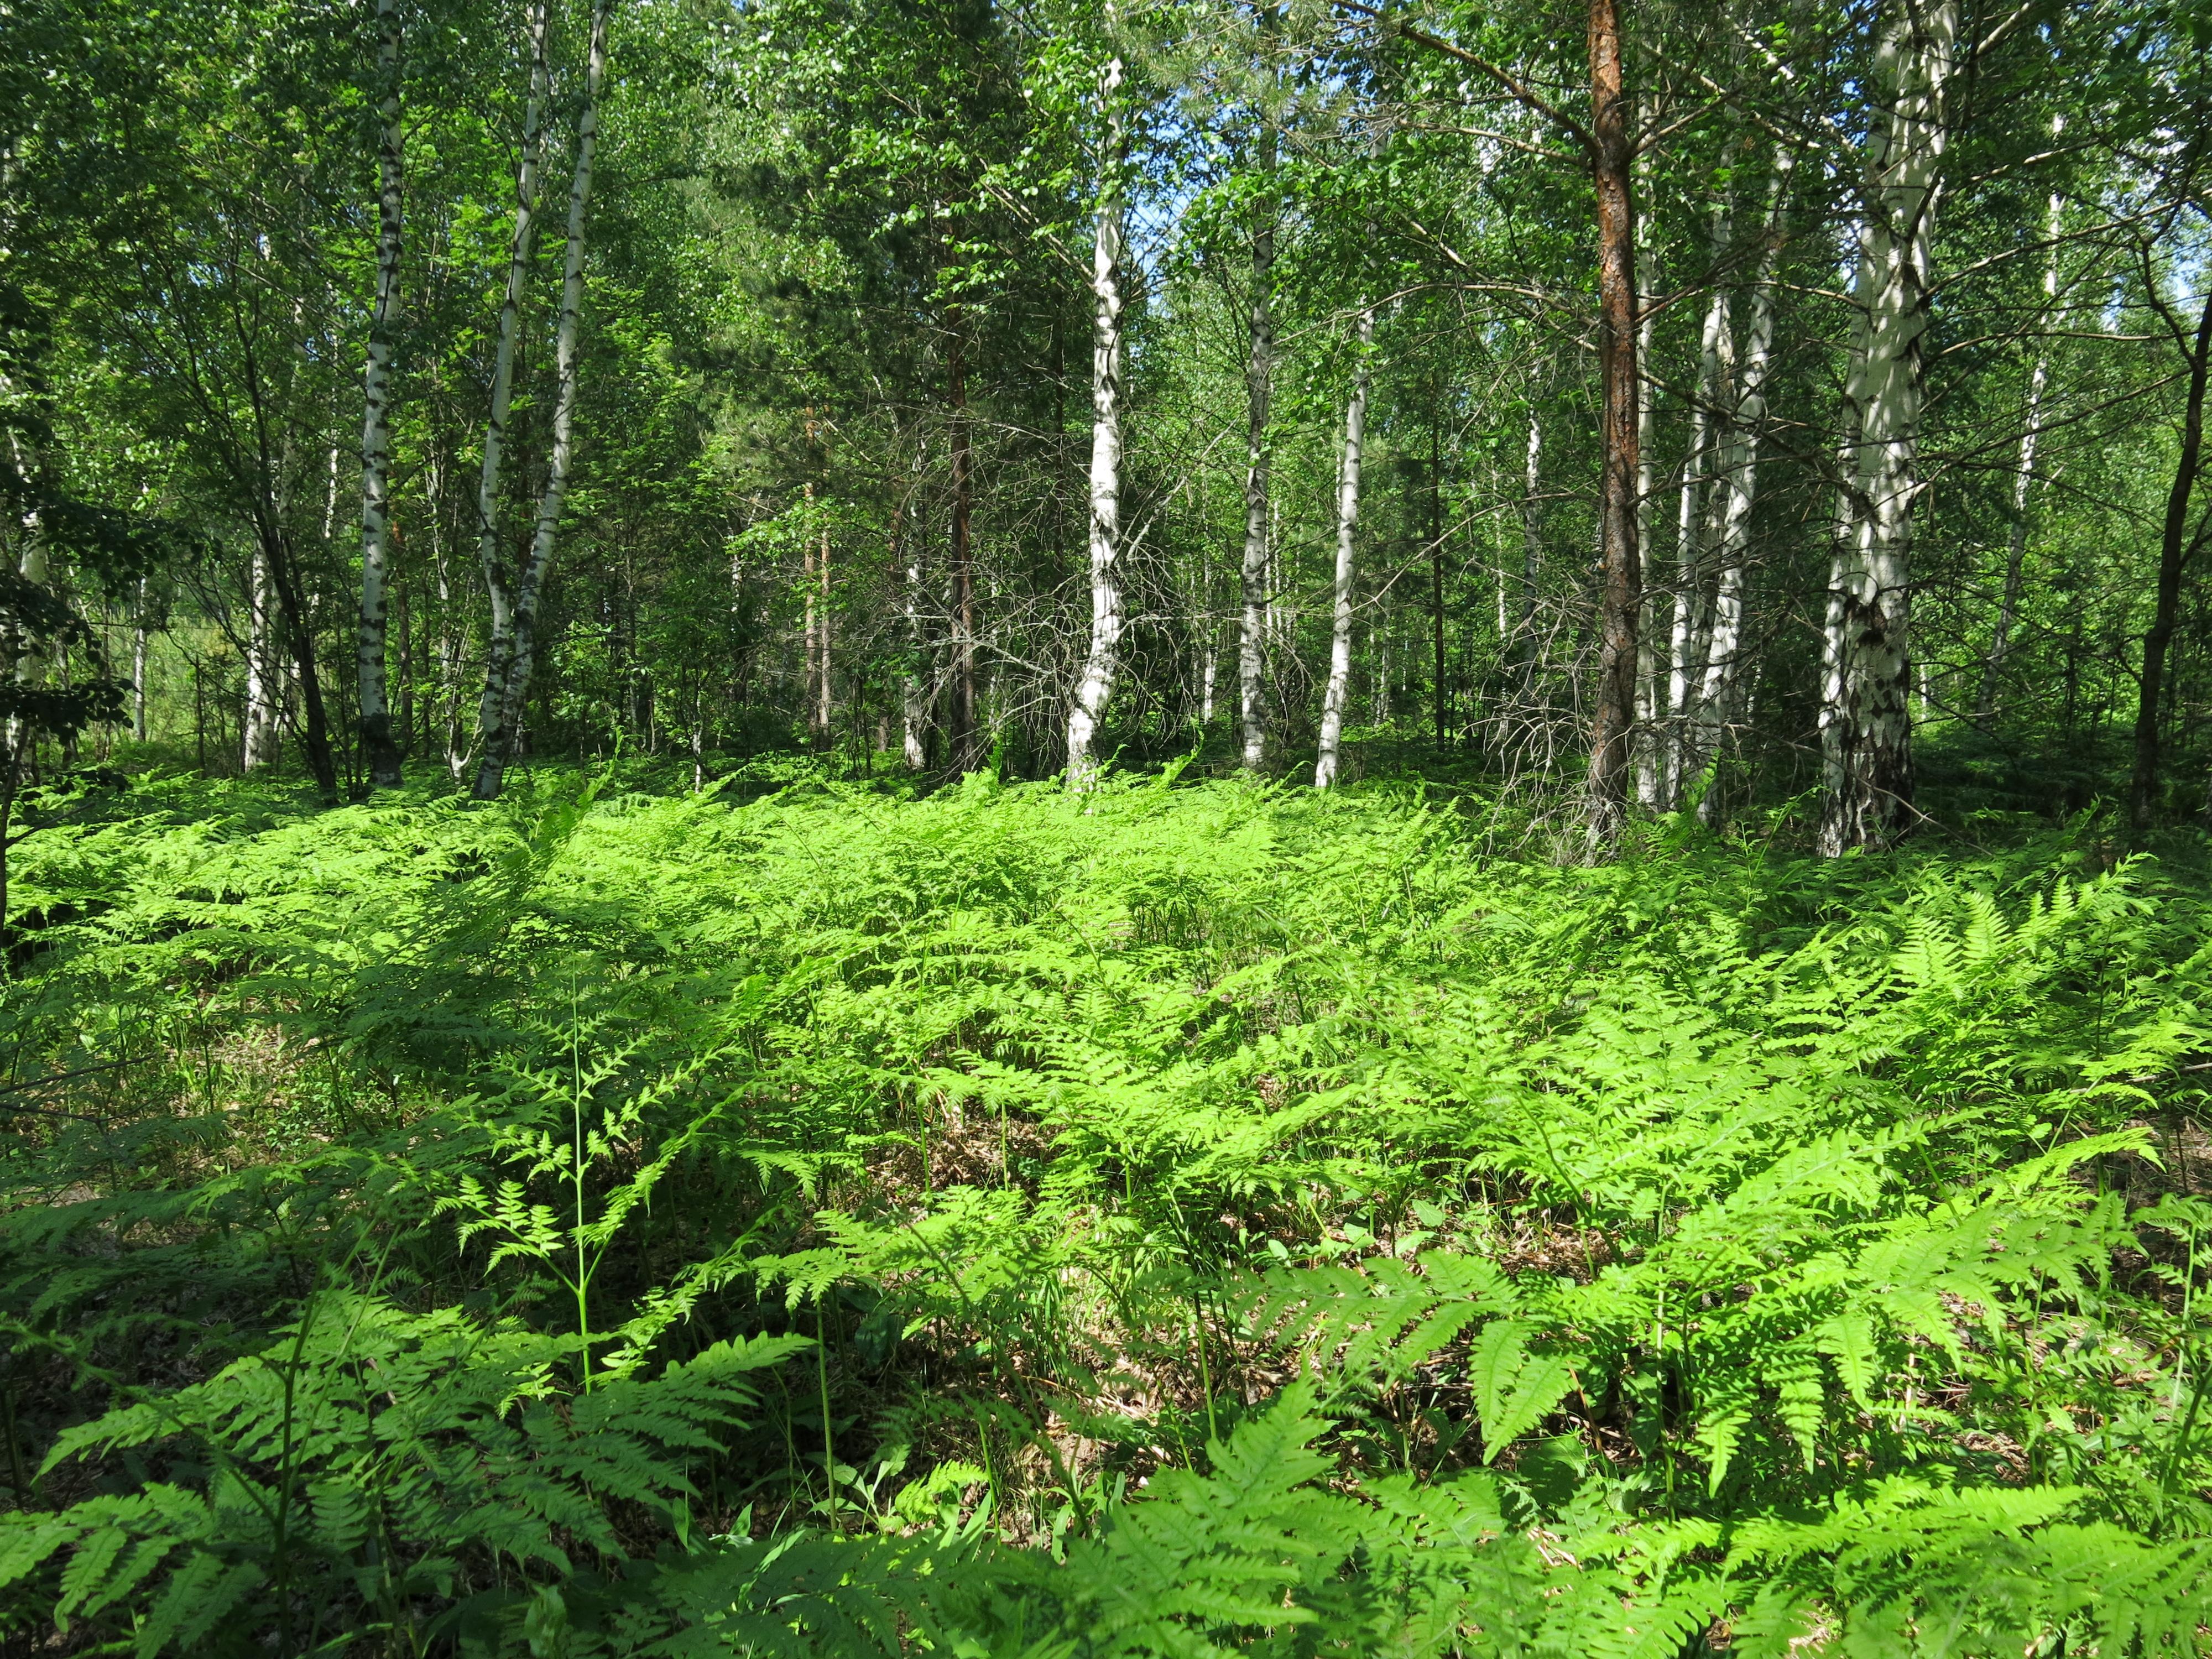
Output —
(1259, 383)
(1437, 572)
(1096, 684)
(2023, 481)
(1621, 595)
(2173, 554)
(807, 674)
(506, 701)
(377, 747)
(291, 604)
(1742, 418)
(1715, 347)
(824, 712)
(961, 733)
(264, 674)
(498, 585)
(1532, 552)
(1866, 720)
(1347, 520)
(143, 621)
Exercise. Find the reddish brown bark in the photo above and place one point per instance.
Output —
(1620, 577)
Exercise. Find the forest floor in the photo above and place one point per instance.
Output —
(1196, 1217)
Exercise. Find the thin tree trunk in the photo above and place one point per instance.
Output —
(1437, 572)
(1096, 684)
(1613, 717)
(500, 735)
(1347, 520)
(1651, 759)
(291, 602)
(378, 749)
(1865, 718)
(140, 632)
(1532, 552)
(1715, 349)
(1259, 383)
(2023, 481)
(264, 677)
(914, 701)
(824, 720)
(1742, 420)
(2173, 554)
(498, 580)
(960, 728)
(808, 673)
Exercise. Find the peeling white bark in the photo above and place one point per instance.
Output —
(1096, 684)
(265, 672)
(1326, 764)
(378, 749)
(507, 700)
(498, 580)
(1259, 381)
(1865, 718)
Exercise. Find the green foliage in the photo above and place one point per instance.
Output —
(1200, 1220)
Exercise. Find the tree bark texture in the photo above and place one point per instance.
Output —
(507, 702)
(1328, 763)
(264, 671)
(2023, 482)
(498, 580)
(960, 724)
(378, 748)
(1095, 686)
(1865, 718)
(1259, 383)
(2172, 555)
(1613, 718)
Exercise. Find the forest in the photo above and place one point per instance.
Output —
(1105, 829)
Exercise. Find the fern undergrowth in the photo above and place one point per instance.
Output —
(1179, 1220)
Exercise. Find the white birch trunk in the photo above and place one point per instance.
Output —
(2023, 482)
(378, 749)
(140, 637)
(265, 673)
(1532, 549)
(1096, 684)
(1329, 760)
(1743, 421)
(1650, 763)
(500, 738)
(1714, 346)
(1259, 382)
(498, 588)
(1866, 715)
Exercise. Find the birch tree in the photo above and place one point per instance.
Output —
(378, 751)
(1866, 721)
(1347, 520)
(498, 584)
(1095, 685)
(1258, 380)
(507, 682)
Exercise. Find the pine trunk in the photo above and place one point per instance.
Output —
(1613, 717)
(1326, 764)
(506, 701)
(377, 746)
(1866, 716)
(961, 729)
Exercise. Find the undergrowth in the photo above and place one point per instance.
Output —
(1183, 1219)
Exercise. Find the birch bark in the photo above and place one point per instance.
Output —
(1742, 420)
(1096, 683)
(377, 747)
(1347, 520)
(1866, 720)
(1715, 347)
(143, 628)
(1259, 382)
(960, 560)
(2023, 482)
(498, 588)
(265, 673)
(506, 701)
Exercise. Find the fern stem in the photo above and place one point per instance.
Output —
(822, 1377)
